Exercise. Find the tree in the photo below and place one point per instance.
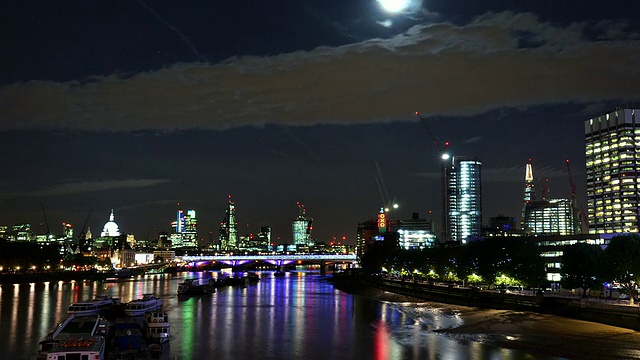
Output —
(374, 259)
(621, 262)
(580, 267)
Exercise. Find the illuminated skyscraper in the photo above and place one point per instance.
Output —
(302, 226)
(613, 174)
(529, 190)
(464, 199)
(186, 229)
(229, 228)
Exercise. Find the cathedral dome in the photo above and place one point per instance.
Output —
(110, 228)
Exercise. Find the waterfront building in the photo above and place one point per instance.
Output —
(463, 200)
(228, 239)
(301, 227)
(613, 175)
(167, 256)
(552, 248)
(366, 235)
(415, 233)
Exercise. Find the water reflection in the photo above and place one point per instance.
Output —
(298, 316)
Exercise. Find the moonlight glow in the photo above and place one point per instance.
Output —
(394, 6)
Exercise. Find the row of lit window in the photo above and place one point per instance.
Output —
(609, 205)
(552, 254)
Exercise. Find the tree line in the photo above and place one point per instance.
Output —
(514, 261)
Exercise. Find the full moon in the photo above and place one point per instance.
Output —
(394, 6)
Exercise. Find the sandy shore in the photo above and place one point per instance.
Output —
(532, 332)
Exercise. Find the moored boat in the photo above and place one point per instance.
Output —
(193, 287)
(94, 306)
(157, 326)
(73, 327)
(140, 306)
(78, 348)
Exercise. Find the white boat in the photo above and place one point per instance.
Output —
(140, 306)
(157, 327)
(93, 306)
(73, 327)
(91, 347)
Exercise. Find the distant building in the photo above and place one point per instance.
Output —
(228, 239)
(550, 217)
(501, 226)
(185, 229)
(547, 216)
(464, 199)
(301, 227)
(613, 175)
(110, 228)
(264, 236)
(415, 233)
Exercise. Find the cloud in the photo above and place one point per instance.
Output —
(498, 60)
(93, 186)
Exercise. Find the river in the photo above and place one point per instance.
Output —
(299, 316)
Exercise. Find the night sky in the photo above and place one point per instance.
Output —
(137, 106)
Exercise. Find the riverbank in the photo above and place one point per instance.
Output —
(548, 335)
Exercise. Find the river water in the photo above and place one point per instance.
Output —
(299, 316)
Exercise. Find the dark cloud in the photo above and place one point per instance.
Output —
(80, 187)
(440, 69)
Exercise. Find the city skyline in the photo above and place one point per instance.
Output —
(138, 106)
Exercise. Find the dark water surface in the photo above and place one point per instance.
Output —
(299, 316)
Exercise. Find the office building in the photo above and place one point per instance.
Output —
(550, 217)
(464, 199)
(228, 239)
(613, 175)
(415, 233)
(301, 227)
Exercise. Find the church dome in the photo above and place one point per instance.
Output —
(110, 228)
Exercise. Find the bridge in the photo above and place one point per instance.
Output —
(273, 259)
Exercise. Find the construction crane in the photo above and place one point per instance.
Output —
(82, 239)
(443, 157)
(544, 188)
(578, 212)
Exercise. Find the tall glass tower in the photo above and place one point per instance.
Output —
(464, 199)
(301, 227)
(229, 228)
(613, 174)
